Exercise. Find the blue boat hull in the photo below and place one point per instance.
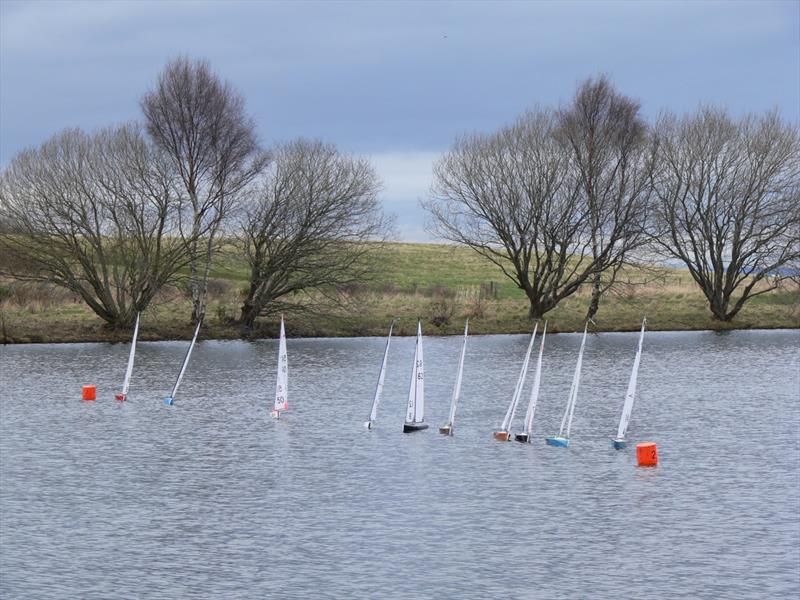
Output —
(619, 444)
(557, 441)
(168, 401)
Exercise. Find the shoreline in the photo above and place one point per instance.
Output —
(440, 285)
(122, 337)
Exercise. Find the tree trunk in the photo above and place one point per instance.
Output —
(719, 308)
(538, 308)
(249, 314)
(594, 304)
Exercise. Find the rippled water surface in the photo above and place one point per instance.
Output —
(210, 498)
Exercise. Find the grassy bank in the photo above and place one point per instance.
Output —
(439, 284)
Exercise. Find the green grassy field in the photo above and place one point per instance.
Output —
(441, 285)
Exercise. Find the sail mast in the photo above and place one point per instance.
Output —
(630, 395)
(282, 380)
(129, 370)
(509, 417)
(373, 413)
(457, 387)
(419, 382)
(415, 412)
(576, 379)
(537, 377)
(185, 364)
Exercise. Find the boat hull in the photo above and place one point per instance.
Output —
(446, 430)
(619, 444)
(121, 397)
(412, 427)
(501, 436)
(168, 401)
(557, 441)
(522, 437)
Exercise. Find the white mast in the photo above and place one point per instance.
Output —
(416, 390)
(373, 413)
(171, 397)
(631, 393)
(129, 370)
(457, 388)
(520, 384)
(282, 383)
(573, 392)
(537, 377)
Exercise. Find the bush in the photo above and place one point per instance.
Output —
(441, 311)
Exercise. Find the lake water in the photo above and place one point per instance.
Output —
(210, 498)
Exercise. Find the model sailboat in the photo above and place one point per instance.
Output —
(415, 413)
(282, 383)
(171, 398)
(447, 429)
(502, 434)
(373, 413)
(537, 378)
(123, 395)
(562, 439)
(630, 395)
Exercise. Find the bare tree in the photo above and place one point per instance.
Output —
(201, 123)
(96, 215)
(307, 226)
(729, 202)
(612, 164)
(513, 197)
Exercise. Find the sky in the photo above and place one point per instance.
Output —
(394, 81)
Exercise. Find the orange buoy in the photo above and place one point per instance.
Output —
(646, 454)
(89, 392)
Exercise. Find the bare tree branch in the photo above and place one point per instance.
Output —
(612, 163)
(513, 197)
(306, 228)
(729, 202)
(201, 123)
(96, 215)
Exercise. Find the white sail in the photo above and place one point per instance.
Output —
(457, 388)
(185, 362)
(416, 391)
(373, 413)
(129, 370)
(282, 384)
(631, 393)
(537, 378)
(573, 391)
(512, 408)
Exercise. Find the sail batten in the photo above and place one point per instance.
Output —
(129, 369)
(282, 381)
(630, 394)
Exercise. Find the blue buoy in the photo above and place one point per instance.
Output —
(168, 401)
(620, 444)
(557, 441)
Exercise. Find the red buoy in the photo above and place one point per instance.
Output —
(646, 454)
(89, 392)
